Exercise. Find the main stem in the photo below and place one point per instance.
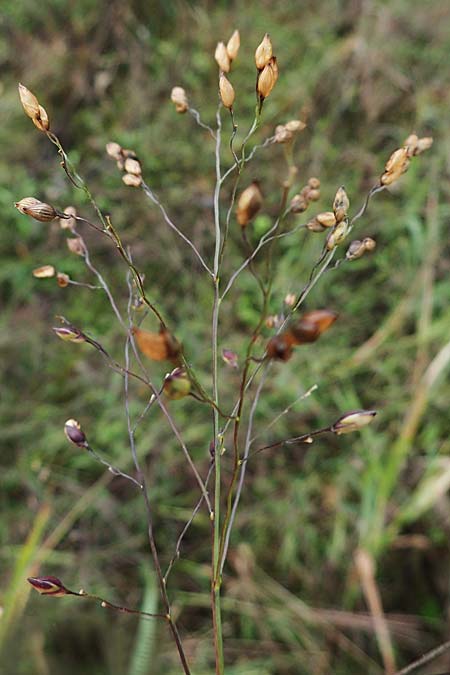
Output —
(215, 576)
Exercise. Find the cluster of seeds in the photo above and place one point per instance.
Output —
(128, 162)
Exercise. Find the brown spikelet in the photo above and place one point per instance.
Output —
(160, 346)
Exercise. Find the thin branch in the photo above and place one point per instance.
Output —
(152, 196)
(176, 555)
(243, 467)
(426, 658)
(111, 468)
(196, 115)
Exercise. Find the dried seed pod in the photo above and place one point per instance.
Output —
(74, 433)
(178, 96)
(177, 384)
(132, 180)
(289, 300)
(267, 78)
(226, 91)
(133, 166)
(282, 134)
(396, 165)
(341, 204)
(233, 45)
(313, 195)
(311, 325)
(249, 203)
(162, 346)
(230, 358)
(314, 226)
(62, 279)
(369, 244)
(353, 421)
(76, 246)
(114, 150)
(263, 52)
(326, 218)
(29, 102)
(44, 272)
(48, 586)
(423, 144)
(222, 58)
(298, 204)
(280, 347)
(69, 334)
(314, 183)
(355, 250)
(36, 209)
(337, 235)
(68, 222)
(294, 126)
(41, 121)
(410, 144)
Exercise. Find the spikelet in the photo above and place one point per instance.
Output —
(263, 52)
(233, 45)
(226, 91)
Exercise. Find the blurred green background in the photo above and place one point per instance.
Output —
(365, 74)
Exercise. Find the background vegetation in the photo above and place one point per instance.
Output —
(365, 74)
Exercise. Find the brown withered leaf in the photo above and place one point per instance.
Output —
(162, 346)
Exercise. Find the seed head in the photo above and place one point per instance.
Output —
(337, 235)
(280, 347)
(341, 204)
(314, 183)
(48, 586)
(222, 57)
(74, 433)
(289, 300)
(233, 45)
(36, 209)
(178, 96)
(299, 204)
(311, 325)
(29, 102)
(114, 150)
(44, 272)
(282, 134)
(369, 244)
(69, 334)
(267, 78)
(230, 358)
(68, 222)
(76, 245)
(62, 279)
(133, 166)
(263, 52)
(162, 346)
(226, 91)
(249, 204)
(132, 180)
(313, 195)
(295, 126)
(177, 384)
(396, 165)
(326, 218)
(353, 421)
